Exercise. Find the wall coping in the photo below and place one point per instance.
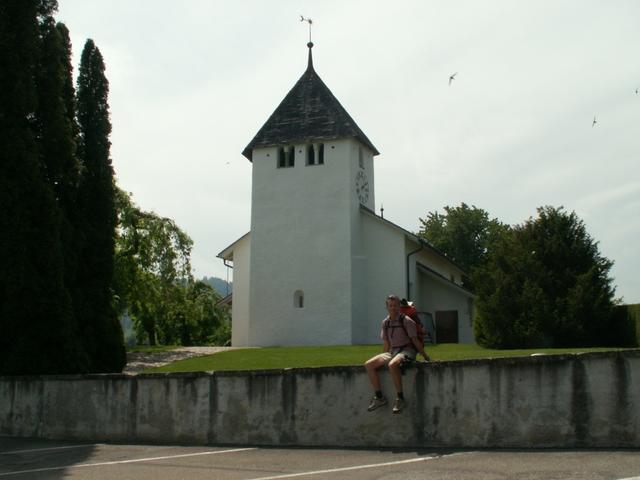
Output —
(437, 364)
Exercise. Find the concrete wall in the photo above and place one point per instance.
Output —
(586, 400)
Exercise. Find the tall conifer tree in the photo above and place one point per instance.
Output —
(68, 90)
(57, 134)
(101, 330)
(36, 319)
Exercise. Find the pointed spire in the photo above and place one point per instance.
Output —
(310, 44)
(310, 63)
(308, 112)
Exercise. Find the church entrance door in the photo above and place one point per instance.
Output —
(447, 326)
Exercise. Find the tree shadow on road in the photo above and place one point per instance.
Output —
(41, 459)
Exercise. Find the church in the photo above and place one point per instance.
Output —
(318, 262)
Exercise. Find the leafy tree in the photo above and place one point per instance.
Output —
(210, 325)
(544, 284)
(36, 318)
(152, 256)
(102, 333)
(154, 283)
(187, 315)
(463, 233)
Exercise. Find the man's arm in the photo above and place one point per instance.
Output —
(412, 330)
(419, 348)
(386, 346)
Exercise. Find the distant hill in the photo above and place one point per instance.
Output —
(219, 285)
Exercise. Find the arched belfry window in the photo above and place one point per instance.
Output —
(286, 156)
(311, 154)
(298, 299)
(315, 154)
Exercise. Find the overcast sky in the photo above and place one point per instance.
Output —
(192, 82)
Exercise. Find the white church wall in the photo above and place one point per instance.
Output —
(385, 274)
(361, 170)
(358, 279)
(437, 294)
(435, 262)
(361, 163)
(465, 331)
(240, 305)
(300, 228)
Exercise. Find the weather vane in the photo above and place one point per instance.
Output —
(310, 22)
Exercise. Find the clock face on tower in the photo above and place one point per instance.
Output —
(362, 187)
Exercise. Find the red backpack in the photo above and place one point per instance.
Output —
(408, 308)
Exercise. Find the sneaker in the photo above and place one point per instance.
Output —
(398, 406)
(377, 402)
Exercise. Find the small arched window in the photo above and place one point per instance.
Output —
(321, 154)
(281, 158)
(298, 299)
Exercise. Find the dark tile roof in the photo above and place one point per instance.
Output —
(308, 112)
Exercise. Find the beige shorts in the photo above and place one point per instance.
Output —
(408, 353)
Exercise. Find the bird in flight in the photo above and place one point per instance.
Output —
(594, 122)
(636, 91)
(452, 78)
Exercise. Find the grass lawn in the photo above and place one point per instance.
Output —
(299, 357)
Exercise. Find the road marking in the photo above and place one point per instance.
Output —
(120, 462)
(13, 452)
(355, 467)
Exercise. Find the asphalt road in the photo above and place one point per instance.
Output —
(51, 460)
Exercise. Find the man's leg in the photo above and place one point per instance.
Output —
(372, 366)
(396, 374)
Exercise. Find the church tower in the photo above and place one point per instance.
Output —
(312, 169)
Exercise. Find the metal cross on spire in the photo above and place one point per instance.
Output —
(310, 22)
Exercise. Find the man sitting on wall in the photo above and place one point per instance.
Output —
(400, 343)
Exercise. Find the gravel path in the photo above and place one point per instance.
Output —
(139, 361)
